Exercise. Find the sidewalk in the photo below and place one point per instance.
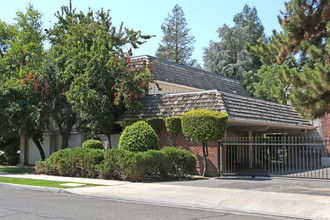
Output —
(278, 204)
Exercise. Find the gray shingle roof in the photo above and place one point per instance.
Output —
(171, 72)
(237, 107)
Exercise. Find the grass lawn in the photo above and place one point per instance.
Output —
(14, 170)
(45, 183)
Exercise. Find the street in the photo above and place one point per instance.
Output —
(28, 204)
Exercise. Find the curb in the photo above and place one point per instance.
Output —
(35, 188)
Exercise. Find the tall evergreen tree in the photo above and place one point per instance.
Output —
(177, 44)
(306, 29)
(228, 57)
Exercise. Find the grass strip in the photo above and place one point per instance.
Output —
(14, 170)
(45, 183)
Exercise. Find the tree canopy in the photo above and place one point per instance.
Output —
(177, 44)
(228, 57)
(306, 29)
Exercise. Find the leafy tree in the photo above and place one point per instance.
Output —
(204, 126)
(306, 29)
(249, 18)
(93, 74)
(22, 95)
(228, 57)
(177, 44)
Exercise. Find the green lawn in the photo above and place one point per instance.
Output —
(14, 170)
(45, 183)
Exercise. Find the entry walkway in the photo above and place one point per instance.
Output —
(280, 204)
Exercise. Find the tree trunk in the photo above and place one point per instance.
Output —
(38, 144)
(70, 121)
(109, 138)
(174, 141)
(205, 154)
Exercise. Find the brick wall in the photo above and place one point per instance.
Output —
(196, 148)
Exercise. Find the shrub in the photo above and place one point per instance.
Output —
(117, 164)
(156, 123)
(173, 127)
(128, 121)
(204, 125)
(138, 166)
(2, 159)
(72, 162)
(94, 144)
(138, 137)
(12, 160)
(178, 162)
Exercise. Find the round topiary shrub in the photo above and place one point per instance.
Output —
(204, 125)
(156, 123)
(94, 144)
(138, 137)
(12, 160)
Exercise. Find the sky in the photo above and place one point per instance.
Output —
(204, 17)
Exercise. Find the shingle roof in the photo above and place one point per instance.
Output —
(171, 72)
(237, 107)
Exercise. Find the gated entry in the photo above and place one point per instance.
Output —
(285, 156)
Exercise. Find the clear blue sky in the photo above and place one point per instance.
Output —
(204, 17)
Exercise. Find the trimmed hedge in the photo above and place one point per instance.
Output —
(128, 122)
(178, 162)
(94, 144)
(138, 137)
(173, 125)
(156, 123)
(126, 165)
(72, 162)
(204, 125)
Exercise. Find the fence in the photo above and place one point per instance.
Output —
(271, 156)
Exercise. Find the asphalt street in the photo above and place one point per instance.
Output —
(26, 204)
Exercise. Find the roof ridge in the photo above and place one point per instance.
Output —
(188, 67)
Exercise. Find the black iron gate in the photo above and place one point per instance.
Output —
(284, 156)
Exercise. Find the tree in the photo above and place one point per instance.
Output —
(306, 29)
(204, 126)
(23, 94)
(228, 57)
(177, 44)
(93, 75)
(249, 18)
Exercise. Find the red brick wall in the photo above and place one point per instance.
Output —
(165, 139)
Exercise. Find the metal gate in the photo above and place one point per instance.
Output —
(284, 156)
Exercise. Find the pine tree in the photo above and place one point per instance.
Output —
(306, 29)
(177, 44)
(228, 57)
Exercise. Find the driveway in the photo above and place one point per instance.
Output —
(265, 184)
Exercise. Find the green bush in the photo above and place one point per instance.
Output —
(204, 125)
(138, 166)
(178, 162)
(94, 144)
(2, 159)
(12, 160)
(156, 123)
(128, 121)
(72, 162)
(173, 125)
(117, 164)
(138, 137)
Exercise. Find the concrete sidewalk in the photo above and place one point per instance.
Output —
(283, 205)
